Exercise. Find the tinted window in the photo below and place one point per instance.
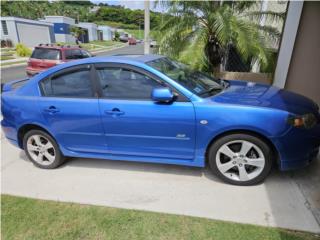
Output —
(85, 54)
(46, 53)
(76, 54)
(72, 84)
(122, 83)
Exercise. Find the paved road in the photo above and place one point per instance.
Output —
(18, 72)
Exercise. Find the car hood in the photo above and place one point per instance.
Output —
(261, 95)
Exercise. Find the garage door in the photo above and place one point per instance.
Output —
(32, 35)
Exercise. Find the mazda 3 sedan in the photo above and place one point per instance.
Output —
(149, 108)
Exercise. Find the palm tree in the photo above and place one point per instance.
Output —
(202, 31)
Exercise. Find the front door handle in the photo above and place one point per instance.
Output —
(114, 111)
(51, 109)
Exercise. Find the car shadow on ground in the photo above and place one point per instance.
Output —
(141, 167)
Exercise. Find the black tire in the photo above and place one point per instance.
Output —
(58, 156)
(264, 147)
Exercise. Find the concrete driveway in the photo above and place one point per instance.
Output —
(288, 200)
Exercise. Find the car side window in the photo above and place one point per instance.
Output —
(85, 54)
(73, 54)
(122, 83)
(75, 83)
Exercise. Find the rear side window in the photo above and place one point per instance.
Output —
(75, 83)
(76, 54)
(46, 53)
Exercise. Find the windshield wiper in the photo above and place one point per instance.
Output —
(212, 89)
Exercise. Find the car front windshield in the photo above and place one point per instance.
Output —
(197, 82)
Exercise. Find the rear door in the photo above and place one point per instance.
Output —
(70, 108)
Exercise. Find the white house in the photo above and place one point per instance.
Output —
(26, 31)
(107, 32)
(92, 30)
(61, 26)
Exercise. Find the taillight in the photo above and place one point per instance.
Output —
(29, 63)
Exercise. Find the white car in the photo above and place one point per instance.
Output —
(153, 43)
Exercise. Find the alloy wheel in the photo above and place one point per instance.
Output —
(41, 150)
(240, 160)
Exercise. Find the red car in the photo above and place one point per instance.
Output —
(45, 56)
(132, 41)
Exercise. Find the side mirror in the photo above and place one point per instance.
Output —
(163, 95)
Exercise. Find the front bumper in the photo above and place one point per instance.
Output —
(298, 147)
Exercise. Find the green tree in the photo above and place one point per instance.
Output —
(116, 36)
(201, 31)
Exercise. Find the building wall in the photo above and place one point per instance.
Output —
(62, 28)
(107, 32)
(92, 30)
(28, 32)
(304, 70)
(12, 32)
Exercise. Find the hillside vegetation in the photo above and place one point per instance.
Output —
(79, 10)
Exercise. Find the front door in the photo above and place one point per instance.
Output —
(135, 125)
(71, 110)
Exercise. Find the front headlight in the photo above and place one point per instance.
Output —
(307, 121)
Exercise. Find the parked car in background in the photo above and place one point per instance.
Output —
(132, 41)
(150, 108)
(124, 37)
(153, 43)
(46, 56)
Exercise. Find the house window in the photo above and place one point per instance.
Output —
(4, 27)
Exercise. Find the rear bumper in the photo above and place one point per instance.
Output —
(10, 132)
(298, 148)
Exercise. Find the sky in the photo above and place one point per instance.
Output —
(133, 4)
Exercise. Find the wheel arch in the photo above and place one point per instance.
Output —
(243, 131)
(28, 127)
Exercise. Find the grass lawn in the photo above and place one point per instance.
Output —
(24, 218)
(136, 33)
(4, 57)
(97, 45)
(12, 63)
(139, 34)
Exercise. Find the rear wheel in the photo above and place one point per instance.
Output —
(240, 159)
(42, 149)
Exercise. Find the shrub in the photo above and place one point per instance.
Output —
(22, 50)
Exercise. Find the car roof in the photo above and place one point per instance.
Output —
(59, 47)
(135, 57)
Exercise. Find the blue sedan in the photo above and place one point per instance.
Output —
(149, 108)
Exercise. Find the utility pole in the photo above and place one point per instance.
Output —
(146, 27)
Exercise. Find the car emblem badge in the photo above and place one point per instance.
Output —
(181, 135)
(204, 122)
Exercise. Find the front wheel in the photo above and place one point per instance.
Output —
(42, 149)
(240, 159)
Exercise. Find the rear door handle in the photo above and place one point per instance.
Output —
(114, 111)
(51, 109)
